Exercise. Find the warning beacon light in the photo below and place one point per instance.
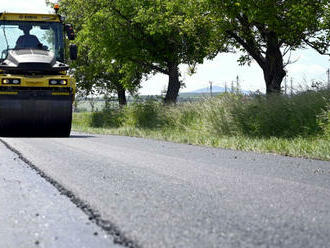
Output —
(56, 7)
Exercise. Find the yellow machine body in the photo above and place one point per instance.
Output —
(30, 17)
(38, 82)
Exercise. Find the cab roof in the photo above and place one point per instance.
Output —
(5, 16)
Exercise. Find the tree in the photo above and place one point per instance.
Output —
(104, 78)
(157, 35)
(94, 72)
(326, 23)
(266, 30)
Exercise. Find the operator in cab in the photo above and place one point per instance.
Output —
(27, 40)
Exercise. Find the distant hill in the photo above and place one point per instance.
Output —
(207, 90)
(215, 89)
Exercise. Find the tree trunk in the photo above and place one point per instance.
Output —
(273, 69)
(173, 83)
(121, 92)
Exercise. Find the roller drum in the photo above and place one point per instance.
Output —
(32, 115)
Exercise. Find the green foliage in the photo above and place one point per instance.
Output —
(137, 115)
(103, 76)
(297, 125)
(267, 30)
(151, 36)
(256, 20)
(182, 117)
(280, 116)
(94, 70)
(107, 119)
(144, 115)
(303, 115)
(155, 36)
(148, 32)
(326, 23)
(324, 121)
(82, 119)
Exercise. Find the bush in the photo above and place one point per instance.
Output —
(108, 118)
(261, 116)
(302, 115)
(145, 115)
(183, 117)
(79, 110)
(218, 114)
(281, 116)
(297, 125)
(324, 121)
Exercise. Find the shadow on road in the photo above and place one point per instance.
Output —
(74, 136)
(47, 137)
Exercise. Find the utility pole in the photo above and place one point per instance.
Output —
(232, 87)
(211, 86)
(291, 86)
(328, 74)
(285, 85)
(226, 87)
(237, 84)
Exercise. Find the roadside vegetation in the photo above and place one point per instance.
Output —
(121, 43)
(289, 125)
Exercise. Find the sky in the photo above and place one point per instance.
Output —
(309, 65)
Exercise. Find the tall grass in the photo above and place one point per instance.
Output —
(276, 116)
(238, 119)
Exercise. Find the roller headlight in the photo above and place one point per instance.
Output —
(53, 82)
(11, 81)
(58, 82)
(63, 82)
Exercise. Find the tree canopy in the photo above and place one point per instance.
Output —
(104, 77)
(157, 35)
(96, 73)
(266, 30)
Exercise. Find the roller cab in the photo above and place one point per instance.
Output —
(36, 92)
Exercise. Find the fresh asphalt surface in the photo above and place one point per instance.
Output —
(111, 191)
(34, 214)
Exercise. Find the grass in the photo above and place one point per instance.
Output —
(293, 126)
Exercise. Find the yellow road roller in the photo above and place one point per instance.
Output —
(36, 91)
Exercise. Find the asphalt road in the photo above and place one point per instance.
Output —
(143, 193)
(34, 214)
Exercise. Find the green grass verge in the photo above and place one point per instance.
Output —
(294, 126)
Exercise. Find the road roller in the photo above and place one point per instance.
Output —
(36, 89)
